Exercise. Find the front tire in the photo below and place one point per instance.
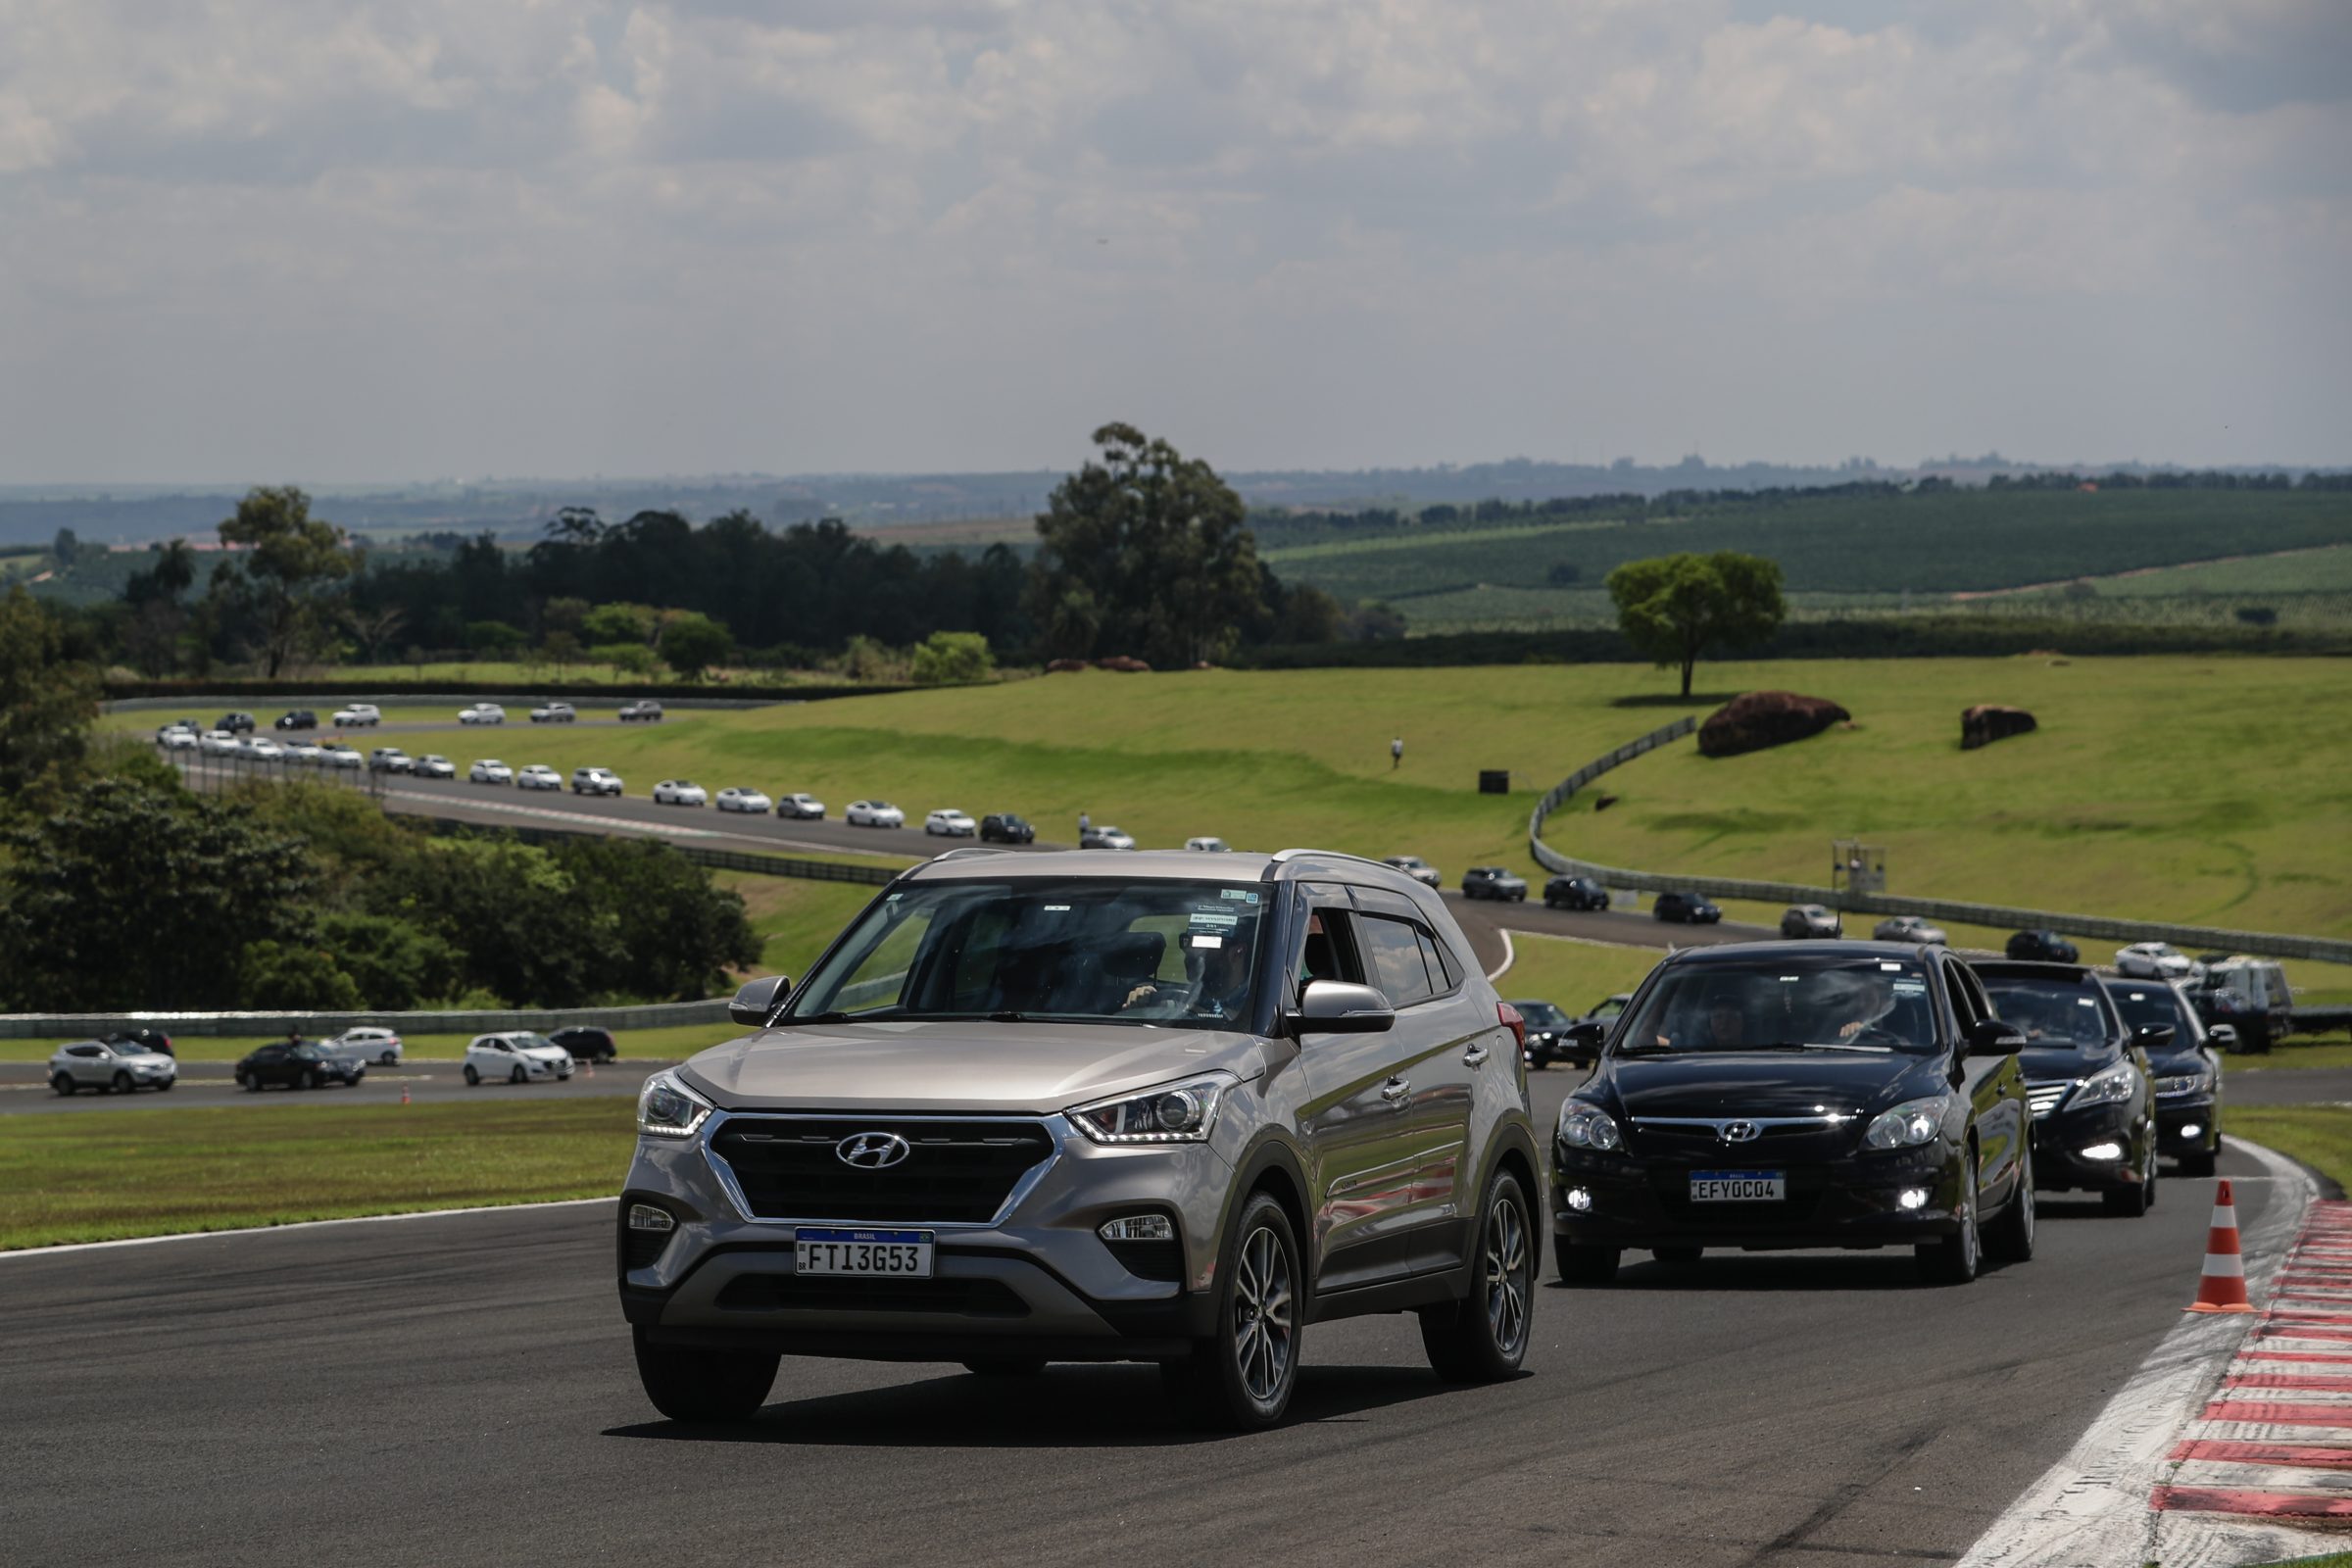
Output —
(1955, 1259)
(64, 1084)
(387, 1060)
(1241, 1376)
(122, 1084)
(695, 1385)
(518, 1076)
(1482, 1339)
(473, 1079)
(2011, 1238)
(310, 1079)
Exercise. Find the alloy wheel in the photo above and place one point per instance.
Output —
(1509, 1275)
(1263, 1315)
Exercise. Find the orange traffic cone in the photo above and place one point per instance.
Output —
(404, 1093)
(2222, 1288)
(592, 1069)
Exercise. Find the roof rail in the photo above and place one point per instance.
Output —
(1283, 856)
(964, 849)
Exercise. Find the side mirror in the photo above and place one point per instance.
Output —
(1583, 1038)
(757, 1002)
(2223, 1037)
(1342, 1007)
(2153, 1035)
(1992, 1037)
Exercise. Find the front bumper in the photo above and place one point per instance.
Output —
(1034, 1280)
(2059, 1138)
(2175, 1118)
(1849, 1202)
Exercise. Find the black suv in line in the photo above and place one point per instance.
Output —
(2086, 1074)
(1105, 1106)
(1493, 882)
(1685, 908)
(297, 718)
(1003, 827)
(2043, 945)
(1847, 1094)
(1575, 893)
(236, 723)
(2186, 1065)
(587, 1044)
(649, 712)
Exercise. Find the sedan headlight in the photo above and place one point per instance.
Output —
(1181, 1114)
(2108, 1086)
(1585, 1125)
(1908, 1125)
(2186, 1083)
(668, 1108)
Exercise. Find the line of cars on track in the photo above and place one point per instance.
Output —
(127, 1061)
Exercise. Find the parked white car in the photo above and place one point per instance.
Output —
(680, 791)
(595, 781)
(538, 776)
(379, 1046)
(2157, 960)
(1207, 846)
(482, 714)
(554, 713)
(806, 807)
(732, 799)
(111, 1064)
(949, 823)
(432, 765)
(357, 714)
(177, 737)
(874, 813)
(490, 770)
(340, 757)
(518, 1057)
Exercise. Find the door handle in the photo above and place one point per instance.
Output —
(1395, 1090)
(1476, 1055)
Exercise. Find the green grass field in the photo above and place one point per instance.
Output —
(2320, 1136)
(104, 1175)
(1574, 975)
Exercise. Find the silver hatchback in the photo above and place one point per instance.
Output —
(1102, 1106)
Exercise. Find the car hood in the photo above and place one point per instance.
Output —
(2173, 1063)
(2045, 1064)
(1769, 1083)
(545, 1052)
(959, 1065)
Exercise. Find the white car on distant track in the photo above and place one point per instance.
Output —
(949, 823)
(1207, 846)
(734, 798)
(482, 714)
(261, 747)
(177, 737)
(538, 776)
(303, 752)
(554, 713)
(355, 714)
(218, 742)
(379, 1046)
(680, 791)
(432, 765)
(2157, 960)
(874, 813)
(490, 770)
(806, 807)
(340, 757)
(515, 1057)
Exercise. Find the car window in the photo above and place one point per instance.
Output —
(1443, 973)
(84, 1050)
(1964, 1005)
(1393, 953)
(1781, 1000)
(2142, 1006)
(2054, 1011)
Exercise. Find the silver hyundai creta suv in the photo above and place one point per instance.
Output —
(1098, 1106)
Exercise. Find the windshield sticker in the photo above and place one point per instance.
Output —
(1058, 908)
(1890, 968)
(893, 898)
(1209, 942)
(1216, 919)
(1242, 894)
(1790, 979)
(1910, 988)
(2084, 1002)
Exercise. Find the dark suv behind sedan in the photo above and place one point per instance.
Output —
(1003, 827)
(298, 718)
(586, 1044)
(1493, 882)
(2086, 1074)
(1575, 893)
(2044, 946)
(1685, 908)
(2186, 1067)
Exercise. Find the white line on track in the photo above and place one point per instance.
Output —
(2092, 1505)
(1510, 955)
(296, 1225)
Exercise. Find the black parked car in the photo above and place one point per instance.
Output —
(1493, 882)
(1685, 908)
(1850, 1094)
(2086, 1073)
(298, 718)
(2044, 946)
(2186, 1067)
(1575, 893)
(1546, 1033)
(236, 723)
(586, 1044)
(1003, 827)
(649, 711)
(296, 1064)
(152, 1039)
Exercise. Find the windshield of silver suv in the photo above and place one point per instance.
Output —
(1177, 954)
(1851, 1002)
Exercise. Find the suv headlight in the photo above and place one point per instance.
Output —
(1585, 1125)
(668, 1108)
(2107, 1087)
(1908, 1125)
(1180, 1113)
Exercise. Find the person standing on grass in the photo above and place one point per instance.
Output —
(1395, 754)
(1084, 823)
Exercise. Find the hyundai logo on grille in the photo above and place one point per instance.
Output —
(1740, 1132)
(872, 1151)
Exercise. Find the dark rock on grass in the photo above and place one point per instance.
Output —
(1759, 719)
(1987, 723)
(1065, 666)
(1124, 663)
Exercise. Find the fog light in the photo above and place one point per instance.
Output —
(1912, 1197)
(2190, 1129)
(646, 1217)
(2103, 1151)
(1137, 1228)
(1580, 1199)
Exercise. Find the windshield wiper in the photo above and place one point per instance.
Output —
(1825, 1045)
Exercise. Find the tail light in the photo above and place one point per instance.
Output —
(1513, 1021)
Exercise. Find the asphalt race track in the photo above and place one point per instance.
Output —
(459, 1389)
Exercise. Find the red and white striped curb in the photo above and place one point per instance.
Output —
(2275, 1441)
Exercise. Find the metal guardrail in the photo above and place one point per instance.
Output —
(2270, 945)
(258, 1025)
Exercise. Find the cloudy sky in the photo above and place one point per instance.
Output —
(332, 240)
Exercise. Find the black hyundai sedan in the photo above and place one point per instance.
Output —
(2095, 1108)
(2186, 1064)
(296, 1064)
(1758, 1097)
